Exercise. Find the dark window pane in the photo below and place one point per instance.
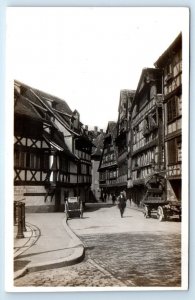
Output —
(171, 148)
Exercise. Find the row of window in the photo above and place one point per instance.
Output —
(144, 159)
(144, 141)
(83, 155)
(109, 157)
(176, 82)
(140, 138)
(41, 161)
(27, 160)
(108, 174)
(141, 115)
(142, 173)
(84, 169)
(175, 66)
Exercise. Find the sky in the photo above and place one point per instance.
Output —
(87, 55)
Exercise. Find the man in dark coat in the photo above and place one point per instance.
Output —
(121, 203)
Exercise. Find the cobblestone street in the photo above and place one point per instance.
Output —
(121, 254)
(138, 259)
(118, 260)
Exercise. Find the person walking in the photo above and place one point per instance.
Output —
(121, 203)
(113, 198)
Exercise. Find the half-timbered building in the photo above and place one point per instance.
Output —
(108, 169)
(146, 156)
(126, 99)
(171, 63)
(52, 154)
(96, 154)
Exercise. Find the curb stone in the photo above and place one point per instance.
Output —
(76, 257)
(72, 234)
(31, 239)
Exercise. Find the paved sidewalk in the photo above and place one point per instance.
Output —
(47, 243)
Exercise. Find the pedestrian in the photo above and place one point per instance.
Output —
(113, 198)
(121, 203)
(105, 197)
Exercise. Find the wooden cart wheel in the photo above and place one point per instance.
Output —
(160, 214)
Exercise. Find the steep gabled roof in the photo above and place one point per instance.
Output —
(26, 108)
(175, 45)
(40, 106)
(112, 129)
(125, 95)
(41, 103)
(60, 104)
(148, 76)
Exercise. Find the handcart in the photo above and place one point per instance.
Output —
(73, 207)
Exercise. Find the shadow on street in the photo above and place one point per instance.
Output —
(96, 206)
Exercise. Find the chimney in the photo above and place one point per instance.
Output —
(86, 128)
(101, 131)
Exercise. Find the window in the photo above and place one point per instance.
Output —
(88, 170)
(64, 164)
(16, 158)
(79, 168)
(168, 69)
(45, 161)
(28, 165)
(179, 151)
(171, 148)
(171, 109)
(174, 108)
(27, 160)
(83, 169)
(102, 176)
(180, 105)
(174, 151)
